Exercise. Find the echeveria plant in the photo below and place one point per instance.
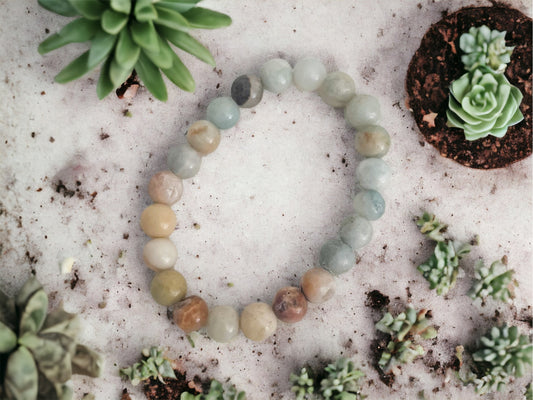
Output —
(217, 391)
(495, 281)
(482, 103)
(39, 352)
(485, 47)
(154, 365)
(127, 35)
(403, 331)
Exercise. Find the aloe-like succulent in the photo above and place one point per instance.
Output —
(495, 281)
(341, 381)
(216, 392)
(431, 227)
(483, 46)
(303, 384)
(154, 365)
(404, 331)
(442, 268)
(127, 35)
(39, 351)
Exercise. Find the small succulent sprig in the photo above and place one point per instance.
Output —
(495, 281)
(127, 35)
(39, 351)
(216, 392)
(442, 268)
(404, 330)
(338, 381)
(154, 365)
(499, 355)
(483, 46)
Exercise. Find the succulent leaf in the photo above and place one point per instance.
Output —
(101, 45)
(126, 52)
(79, 30)
(90, 9)
(180, 6)
(483, 47)
(31, 286)
(21, 379)
(117, 74)
(171, 19)
(180, 75)
(145, 11)
(113, 22)
(122, 6)
(86, 362)
(76, 69)
(162, 58)
(187, 43)
(341, 381)
(8, 339)
(34, 314)
(104, 85)
(431, 227)
(145, 35)
(151, 77)
(155, 365)
(8, 312)
(203, 18)
(216, 392)
(495, 281)
(61, 7)
(302, 384)
(60, 321)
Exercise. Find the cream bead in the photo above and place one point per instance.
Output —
(158, 220)
(160, 254)
(318, 285)
(203, 136)
(222, 324)
(258, 321)
(165, 187)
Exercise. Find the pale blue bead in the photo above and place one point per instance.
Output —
(362, 110)
(276, 75)
(223, 112)
(356, 231)
(373, 173)
(337, 89)
(369, 204)
(308, 74)
(183, 161)
(336, 256)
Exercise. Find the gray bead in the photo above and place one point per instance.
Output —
(356, 232)
(184, 161)
(337, 89)
(362, 110)
(276, 75)
(247, 91)
(369, 204)
(373, 173)
(336, 257)
(223, 112)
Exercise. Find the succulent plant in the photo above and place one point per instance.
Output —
(39, 351)
(155, 365)
(495, 281)
(341, 381)
(482, 103)
(529, 392)
(216, 392)
(303, 384)
(431, 227)
(404, 330)
(485, 47)
(127, 35)
(442, 268)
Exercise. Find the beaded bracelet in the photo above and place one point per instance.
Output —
(258, 320)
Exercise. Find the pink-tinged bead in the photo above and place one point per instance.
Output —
(191, 314)
(318, 285)
(158, 220)
(165, 187)
(289, 305)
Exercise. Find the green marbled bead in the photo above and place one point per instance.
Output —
(372, 141)
(222, 324)
(276, 75)
(223, 112)
(362, 110)
(337, 89)
(336, 257)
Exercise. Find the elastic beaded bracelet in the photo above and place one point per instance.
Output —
(258, 321)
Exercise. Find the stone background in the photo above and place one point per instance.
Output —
(279, 185)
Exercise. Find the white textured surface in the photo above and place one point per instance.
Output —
(265, 200)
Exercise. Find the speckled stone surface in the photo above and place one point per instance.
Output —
(74, 180)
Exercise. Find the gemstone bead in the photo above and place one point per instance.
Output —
(337, 89)
(223, 112)
(289, 305)
(222, 324)
(247, 91)
(318, 285)
(336, 256)
(356, 232)
(165, 187)
(168, 287)
(160, 254)
(372, 141)
(183, 161)
(158, 220)
(276, 75)
(308, 74)
(190, 314)
(362, 110)
(203, 136)
(369, 204)
(373, 173)
(258, 321)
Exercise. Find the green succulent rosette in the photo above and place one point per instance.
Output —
(482, 103)
(127, 35)
(483, 46)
